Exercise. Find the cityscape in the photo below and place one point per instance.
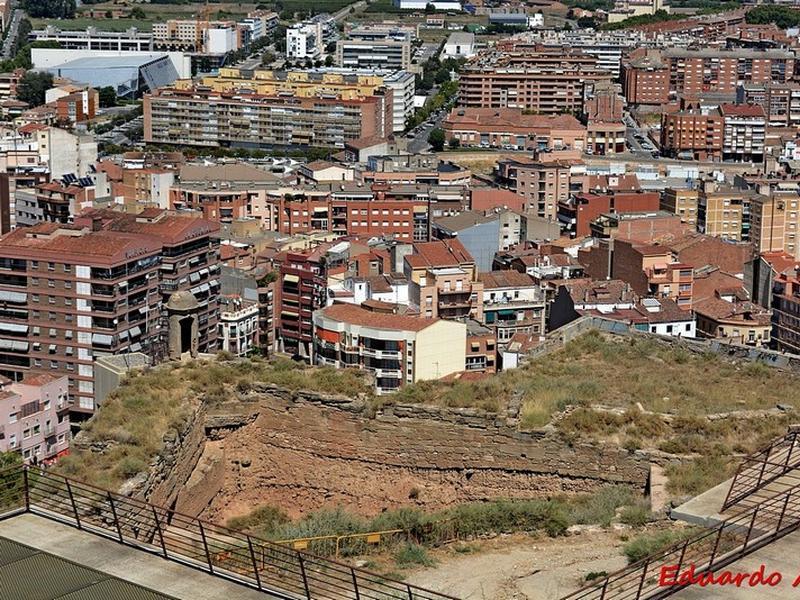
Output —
(399, 299)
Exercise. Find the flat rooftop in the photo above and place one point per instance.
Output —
(41, 559)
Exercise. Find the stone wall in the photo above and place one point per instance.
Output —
(170, 471)
(303, 451)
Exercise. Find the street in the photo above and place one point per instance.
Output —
(11, 36)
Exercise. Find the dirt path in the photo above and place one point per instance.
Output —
(522, 567)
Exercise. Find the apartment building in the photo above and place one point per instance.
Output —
(786, 311)
(100, 286)
(510, 128)
(738, 321)
(74, 104)
(205, 118)
(693, 134)
(443, 280)
(781, 101)
(34, 417)
(744, 132)
(638, 226)
(645, 78)
(651, 271)
(542, 184)
(261, 23)
(94, 39)
(547, 81)
(238, 326)
(301, 289)
(605, 129)
(304, 42)
(657, 76)
(577, 212)
(346, 83)
(513, 302)
(373, 54)
(681, 202)
(8, 83)
(774, 220)
(398, 349)
(196, 35)
(723, 211)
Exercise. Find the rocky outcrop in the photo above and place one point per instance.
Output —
(305, 450)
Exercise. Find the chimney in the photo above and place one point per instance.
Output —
(97, 224)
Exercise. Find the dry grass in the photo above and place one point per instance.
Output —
(133, 422)
(621, 372)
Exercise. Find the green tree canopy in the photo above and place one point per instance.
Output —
(32, 87)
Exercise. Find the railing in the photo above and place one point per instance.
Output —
(763, 467)
(267, 566)
(709, 551)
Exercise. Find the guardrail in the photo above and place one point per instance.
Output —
(706, 552)
(278, 571)
(763, 467)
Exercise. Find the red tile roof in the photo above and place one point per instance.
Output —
(440, 253)
(355, 315)
(742, 110)
(504, 279)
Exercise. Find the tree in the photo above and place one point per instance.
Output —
(50, 9)
(329, 61)
(109, 14)
(107, 96)
(430, 8)
(138, 13)
(267, 58)
(436, 139)
(442, 75)
(454, 143)
(33, 86)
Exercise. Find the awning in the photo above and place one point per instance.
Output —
(291, 278)
(289, 313)
(320, 210)
(13, 345)
(143, 310)
(16, 297)
(195, 290)
(213, 283)
(194, 261)
(14, 327)
(135, 347)
(136, 331)
(123, 284)
(123, 335)
(205, 288)
(203, 271)
(102, 339)
(194, 277)
(52, 348)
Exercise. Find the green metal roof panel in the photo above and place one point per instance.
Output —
(12, 551)
(28, 573)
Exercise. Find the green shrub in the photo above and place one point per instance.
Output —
(262, 522)
(698, 475)
(635, 515)
(601, 507)
(410, 555)
(647, 544)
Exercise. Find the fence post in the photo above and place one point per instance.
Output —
(605, 586)
(255, 564)
(27, 491)
(355, 583)
(205, 545)
(72, 501)
(303, 573)
(716, 545)
(750, 528)
(789, 454)
(410, 593)
(644, 576)
(116, 519)
(160, 532)
(783, 510)
(683, 554)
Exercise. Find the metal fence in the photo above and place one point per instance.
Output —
(273, 568)
(709, 551)
(763, 467)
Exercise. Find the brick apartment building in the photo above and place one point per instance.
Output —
(71, 293)
(786, 312)
(509, 127)
(692, 134)
(204, 118)
(652, 271)
(542, 185)
(658, 76)
(546, 80)
(605, 129)
(577, 212)
(781, 101)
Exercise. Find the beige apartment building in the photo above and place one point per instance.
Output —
(542, 185)
(681, 202)
(723, 211)
(774, 222)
